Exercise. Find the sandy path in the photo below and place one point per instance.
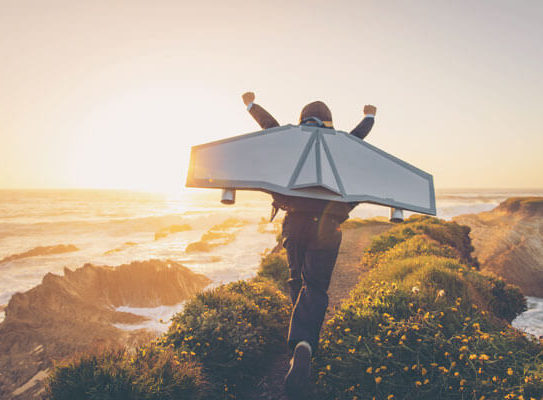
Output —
(346, 275)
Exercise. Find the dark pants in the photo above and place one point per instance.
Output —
(312, 244)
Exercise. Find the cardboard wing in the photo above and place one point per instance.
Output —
(311, 162)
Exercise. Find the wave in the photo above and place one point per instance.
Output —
(157, 318)
(531, 321)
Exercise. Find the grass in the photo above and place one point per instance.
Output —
(274, 266)
(424, 323)
(148, 372)
(232, 331)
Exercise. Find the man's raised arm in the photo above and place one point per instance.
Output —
(364, 127)
(264, 118)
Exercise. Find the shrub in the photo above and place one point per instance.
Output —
(391, 342)
(274, 266)
(505, 301)
(423, 325)
(451, 234)
(149, 372)
(232, 330)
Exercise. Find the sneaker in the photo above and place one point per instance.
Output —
(297, 378)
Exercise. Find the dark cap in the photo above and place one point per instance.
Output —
(319, 110)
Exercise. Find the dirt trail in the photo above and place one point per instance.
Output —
(346, 275)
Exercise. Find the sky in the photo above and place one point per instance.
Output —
(112, 94)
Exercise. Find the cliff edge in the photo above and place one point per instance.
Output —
(508, 241)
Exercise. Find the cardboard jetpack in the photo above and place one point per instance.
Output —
(311, 162)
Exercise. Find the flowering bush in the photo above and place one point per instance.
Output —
(232, 330)
(424, 324)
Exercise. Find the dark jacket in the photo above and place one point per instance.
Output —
(314, 207)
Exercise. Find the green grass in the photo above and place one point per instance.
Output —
(149, 372)
(232, 330)
(274, 266)
(424, 323)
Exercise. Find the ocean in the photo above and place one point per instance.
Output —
(114, 227)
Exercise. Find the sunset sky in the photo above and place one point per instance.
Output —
(112, 94)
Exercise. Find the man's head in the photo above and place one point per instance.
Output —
(317, 110)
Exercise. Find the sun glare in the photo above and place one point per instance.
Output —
(140, 139)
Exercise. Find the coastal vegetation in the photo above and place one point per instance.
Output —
(214, 349)
(274, 266)
(422, 323)
(148, 372)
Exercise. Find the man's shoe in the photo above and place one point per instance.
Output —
(297, 378)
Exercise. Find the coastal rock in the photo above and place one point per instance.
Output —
(41, 251)
(65, 315)
(508, 241)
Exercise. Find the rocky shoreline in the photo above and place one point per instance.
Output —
(74, 313)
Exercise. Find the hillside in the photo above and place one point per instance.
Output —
(508, 241)
(421, 323)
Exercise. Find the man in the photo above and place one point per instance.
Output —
(312, 234)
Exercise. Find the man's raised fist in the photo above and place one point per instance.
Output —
(248, 98)
(369, 109)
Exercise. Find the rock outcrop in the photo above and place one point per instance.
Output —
(41, 251)
(508, 241)
(74, 313)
